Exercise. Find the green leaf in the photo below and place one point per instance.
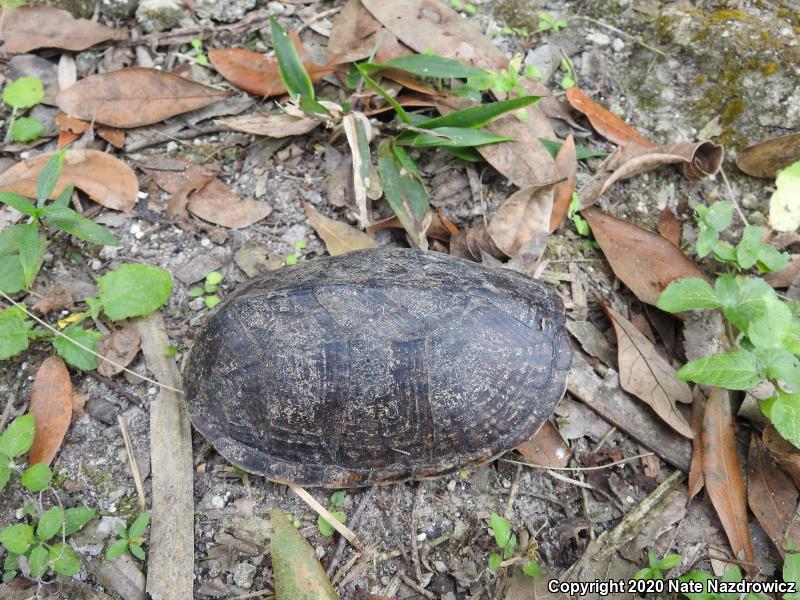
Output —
(703, 578)
(137, 551)
(65, 196)
(724, 252)
(426, 65)
(5, 471)
(116, 549)
(742, 298)
(76, 518)
(477, 116)
(26, 129)
(50, 523)
(48, 177)
(337, 498)
(494, 561)
(501, 530)
(121, 530)
(532, 569)
(401, 112)
(687, 294)
(468, 154)
(769, 328)
(12, 279)
(785, 415)
(37, 561)
(508, 551)
(11, 562)
(14, 333)
(781, 365)
(749, 247)
(581, 152)
(36, 477)
(32, 246)
(137, 528)
(66, 219)
(670, 561)
(791, 574)
(134, 290)
(719, 216)
(212, 301)
(646, 574)
(17, 538)
(75, 356)
(453, 137)
(65, 561)
(326, 528)
(784, 211)
(290, 66)
(17, 439)
(296, 570)
(17, 202)
(706, 241)
(404, 190)
(25, 92)
(736, 370)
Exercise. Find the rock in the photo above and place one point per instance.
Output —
(118, 9)
(197, 268)
(243, 575)
(617, 45)
(226, 11)
(545, 58)
(599, 38)
(102, 410)
(158, 15)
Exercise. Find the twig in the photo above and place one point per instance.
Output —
(137, 476)
(632, 38)
(731, 195)
(414, 523)
(317, 17)
(566, 479)
(595, 468)
(354, 520)
(325, 514)
(116, 387)
(416, 587)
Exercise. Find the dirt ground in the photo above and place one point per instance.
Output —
(672, 69)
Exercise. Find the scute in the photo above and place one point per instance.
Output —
(377, 366)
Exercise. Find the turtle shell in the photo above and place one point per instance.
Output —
(377, 366)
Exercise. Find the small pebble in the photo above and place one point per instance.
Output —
(95, 264)
(205, 242)
(422, 537)
(152, 390)
(451, 485)
(617, 44)
(217, 502)
(320, 551)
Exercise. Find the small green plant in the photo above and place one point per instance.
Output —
(506, 541)
(731, 576)
(130, 539)
(199, 56)
(336, 501)
(22, 94)
(292, 258)
(568, 80)
(42, 539)
(657, 566)
(465, 7)
(581, 224)
(764, 330)
(209, 289)
(548, 22)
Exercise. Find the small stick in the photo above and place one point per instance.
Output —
(317, 17)
(729, 189)
(414, 522)
(595, 468)
(325, 514)
(116, 387)
(137, 476)
(337, 556)
(416, 587)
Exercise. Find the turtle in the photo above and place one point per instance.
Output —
(377, 366)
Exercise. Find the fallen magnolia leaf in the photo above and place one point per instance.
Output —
(644, 261)
(669, 227)
(114, 136)
(606, 123)
(546, 448)
(216, 203)
(566, 165)
(771, 495)
(354, 35)
(644, 373)
(764, 159)
(121, 347)
(524, 216)
(723, 473)
(339, 237)
(107, 180)
(296, 571)
(51, 406)
(170, 174)
(134, 97)
(276, 126)
(29, 28)
(784, 205)
(696, 480)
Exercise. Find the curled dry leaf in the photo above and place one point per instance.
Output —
(669, 227)
(339, 237)
(441, 228)
(771, 494)
(546, 448)
(28, 28)
(644, 261)
(121, 347)
(276, 126)
(523, 217)
(696, 480)
(785, 453)
(606, 123)
(355, 33)
(567, 167)
(644, 373)
(107, 180)
(723, 473)
(51, 406)
(134, 97)
(215, 202)
(766, 158)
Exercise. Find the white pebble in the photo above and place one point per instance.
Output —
(95, 264)
(217, 502)
(152, 390)
(205, 242)
(617, 44)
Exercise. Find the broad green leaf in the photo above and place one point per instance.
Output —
(706, 241)
(17, 439)
(404, 191)
(50, 523)
(749, 248)
(26, 129)
(36, 477)
(687, 294)
(134, 290)
(17, 202)
(17, 538)
(670, 561)
(65, 196)
(75, 356)
(770, 259)
(11, 562)
(785, 415)
(453, 137)
(779, 364)
(338, 497)
(116, 549)
(724, 252)
(65, 561)
(494, 561)
(121, 530)
(326, 528)
(468, 154)
(532, 569)
(401, 112)
(136, 550)
(137, 528)
(296, 570)
(14, 332)
(581, 152)
(76, 518)
(290, 66)
(703, 578)
(5, 471)
(735, 370)
(646, 573)
(769, 327)
(501, 530)
(48, 177)
(742, 298)
(425, 65)
(719, 216)
(25, 92)
(66, 219)
(32, 246)
(12, 279)
(791, 574)
(508, 551)
(784, 209)
(477, 116)
(37, 561)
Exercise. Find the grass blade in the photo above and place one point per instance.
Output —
(290, 66)
(404, 191)
(401, 113)
(478, 116)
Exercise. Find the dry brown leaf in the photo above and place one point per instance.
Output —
(723, 473)
(170, 174)
(566, 166)
(134, 97)
(55, 298)
(339, 237)
(441, 228)
(669, 227)
(276, 126)
(696, 480)
(546, 448)
(765, 158)
(258, 74)
(785, 453)
(642, 260)
(771, 494)
(121, 347)
(524, 216)
(217, 203)
(644, 373)
(107, 180)
(29, 28)
(71, 124)
(51, 406)
(179, 200)
(354, 34)
(114, 136)
(606, 123)
(785, 276)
